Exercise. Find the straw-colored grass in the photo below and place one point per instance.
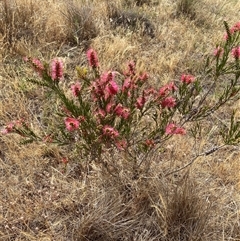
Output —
(40, 198)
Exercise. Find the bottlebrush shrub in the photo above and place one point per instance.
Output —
(121, 111)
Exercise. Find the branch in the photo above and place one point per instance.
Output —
(206, 153)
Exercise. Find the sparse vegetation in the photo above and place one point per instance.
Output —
(81, 22)
(187, 8)
(190, 190)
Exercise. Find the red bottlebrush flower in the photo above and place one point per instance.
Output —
(65, 160)
(125, 113)
(100, 114)
(173, 129)
(18, 123)
(25, 59)
(126, 85)
(171, 86)
(76, 88)
(225, 36)
(131, 69)
(143, 77)
(236, 52)
(71, 123)
(180, 131)
(107, 77)
(121, 145)
(118, 109)
(235, 28)
(8, 129)
(170, 128)
(109, 107)
(149, 143)
(56, 69)
(169, 102)
(163, 91)
(110, 132)
(218, 51)
(150, 91)
(140, 102)
(166, 89)
(187, 78)
(122, 111)
(38, 66)
(92, 58)
(112, 88)
(97, 89)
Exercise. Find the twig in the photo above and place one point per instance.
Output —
(206, 153)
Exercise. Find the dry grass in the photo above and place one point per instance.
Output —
(187, 8)
(40, 199)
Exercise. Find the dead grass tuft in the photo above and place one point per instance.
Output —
(17, 21)
(81, 22)
(29, 23)
(188, 213)
(130, 3)
(186, 8)
(130, 19)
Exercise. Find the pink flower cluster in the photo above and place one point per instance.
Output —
(122, 111)
(76, 88)
(163, 95)
(143, 77)
(112, 88)
(56, 69)
(112, 109)
(187, 78)
(92, 58)
(173, 129)
(37, 65)
(109, 131)
(10, 127)
(71, 124)
(218, 51)
(150, 143)
(109, 105)
(112, 101)
(7, 129)
(65, 160)
(131, 71)
(140, 102)
(235, 28)
(121, 145)
(169, 102)
(167, 89)
(105, 87)
(126, 85)
(236, 52)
